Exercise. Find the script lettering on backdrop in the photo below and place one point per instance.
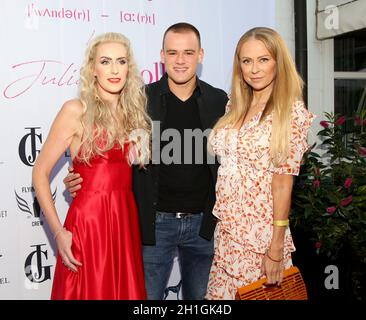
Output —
(47, 72)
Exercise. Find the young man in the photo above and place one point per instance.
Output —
(175, 200)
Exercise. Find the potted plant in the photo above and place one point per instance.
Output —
(328, 216)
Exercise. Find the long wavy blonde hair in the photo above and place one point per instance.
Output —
(102, 128)
(287, 88)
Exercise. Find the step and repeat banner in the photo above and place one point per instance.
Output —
(42, 47)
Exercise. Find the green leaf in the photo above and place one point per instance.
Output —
(323, 133)
(333, 198)
(313, 154)
(308, 211)
(361, 189)
(359, 198)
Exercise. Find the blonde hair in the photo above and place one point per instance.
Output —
(102, 129)
(287, 88)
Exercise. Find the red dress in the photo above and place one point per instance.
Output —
(106, 236)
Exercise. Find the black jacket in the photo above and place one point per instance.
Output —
(211, 105)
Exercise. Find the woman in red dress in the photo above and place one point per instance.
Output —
(99, 246)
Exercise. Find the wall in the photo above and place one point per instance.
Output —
(320, 71)
(320, 60)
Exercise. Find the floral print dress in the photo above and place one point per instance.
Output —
(244, 204)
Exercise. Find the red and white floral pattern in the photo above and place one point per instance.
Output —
(244, 204)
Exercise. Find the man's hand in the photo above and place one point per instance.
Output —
(73, 181)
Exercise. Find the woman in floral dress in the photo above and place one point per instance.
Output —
(260, 142)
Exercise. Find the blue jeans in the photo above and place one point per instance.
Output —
(194, 253)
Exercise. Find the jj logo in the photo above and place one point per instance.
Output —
(28, 149)
(23, 204)
(34, 267)
(3, 280)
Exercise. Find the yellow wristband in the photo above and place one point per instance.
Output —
(281, 223)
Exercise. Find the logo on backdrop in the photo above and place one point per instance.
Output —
(3, 214)
(32, 207)
(36, 268)
(49, 72)
(29, 146)
(3, 280)
(174, 290)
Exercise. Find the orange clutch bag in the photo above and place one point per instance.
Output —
(291, 288)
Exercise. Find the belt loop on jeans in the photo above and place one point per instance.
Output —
(179, 215)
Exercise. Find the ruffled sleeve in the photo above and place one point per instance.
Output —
(300, 125)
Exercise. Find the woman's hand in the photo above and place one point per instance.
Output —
(272, 266)
(64, 243)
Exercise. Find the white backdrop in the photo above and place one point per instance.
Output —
(42, 46)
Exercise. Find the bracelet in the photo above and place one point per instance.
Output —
(58, 231)
(272, 258)
(281, 223)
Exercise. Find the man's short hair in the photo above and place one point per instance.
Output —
(183, 27)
